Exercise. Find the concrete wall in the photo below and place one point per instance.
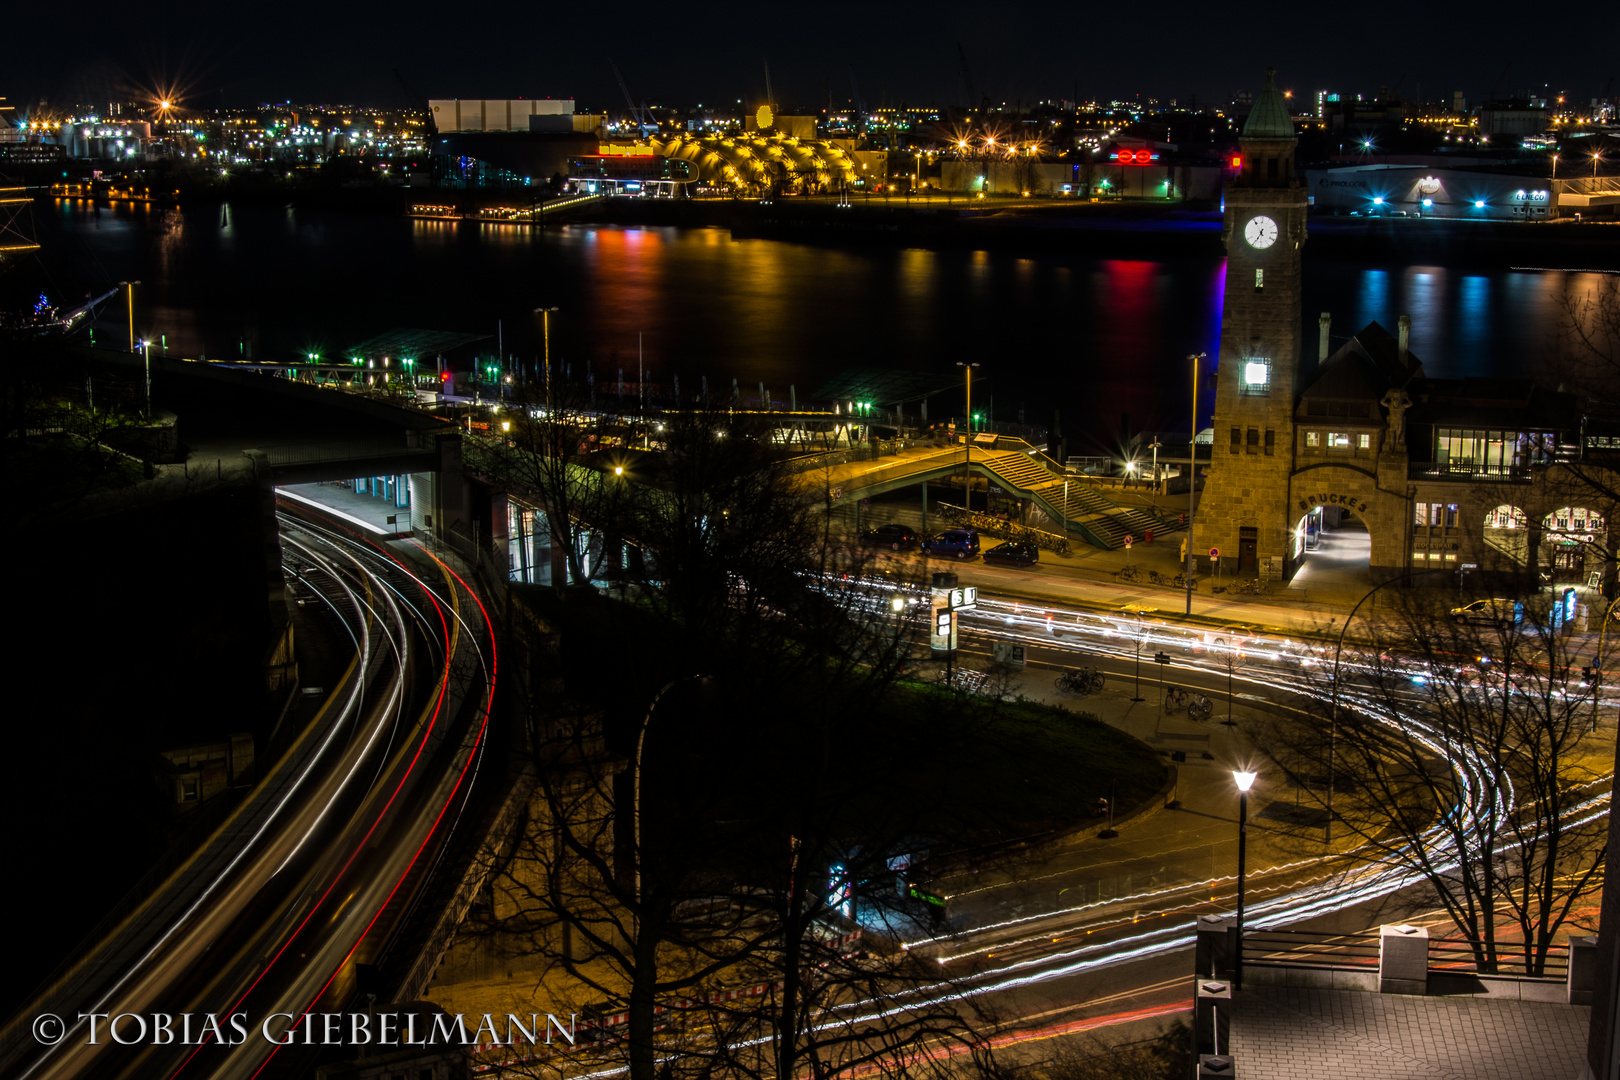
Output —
(474, 114)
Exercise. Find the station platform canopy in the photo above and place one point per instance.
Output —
(885, 387)
(417, 344)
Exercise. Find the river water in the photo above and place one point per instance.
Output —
(1102, 339)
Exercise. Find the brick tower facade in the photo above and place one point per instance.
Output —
(1244, 509)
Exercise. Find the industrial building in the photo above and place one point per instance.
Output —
(1478, 194)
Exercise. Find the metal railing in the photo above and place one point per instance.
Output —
(1469, 471)
(1310, 949)
(1002, 529)
(1460, 956)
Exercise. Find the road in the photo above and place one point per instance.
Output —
(1099, 932)
(308, 875)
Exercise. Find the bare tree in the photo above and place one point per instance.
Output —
(1469, 762)
(553, 445)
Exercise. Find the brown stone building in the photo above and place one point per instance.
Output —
(1356, 448)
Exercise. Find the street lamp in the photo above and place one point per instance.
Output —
(1141, 632)
(1192, 484)
(635, 787)
(545, 322)
(967, 488)
(1244, 781)
(129, 290)
(1156, 445)
(146, 354)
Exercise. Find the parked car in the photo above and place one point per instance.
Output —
(963, 543)
(1013, 553)
(896, 536)
(1496, 611)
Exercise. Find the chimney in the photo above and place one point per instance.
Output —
(1322, 348)
(1406, 337)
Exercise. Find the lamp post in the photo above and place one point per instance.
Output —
(635, 787)
(1156, 445)
(545, 324)
(146, 357)
(1140, 634)
(1244, 781)
(967, 482)
(129, 291)
(1192, 481)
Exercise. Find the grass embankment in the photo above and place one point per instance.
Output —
(1019, 767)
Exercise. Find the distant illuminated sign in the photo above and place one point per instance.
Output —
(1134, 157)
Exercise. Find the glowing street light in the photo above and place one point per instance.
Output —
(1244, 781)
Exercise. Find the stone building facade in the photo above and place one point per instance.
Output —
(1244, 506)
(1499, 476)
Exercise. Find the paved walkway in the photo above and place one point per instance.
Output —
(1296, 1034)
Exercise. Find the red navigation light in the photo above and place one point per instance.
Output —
(1237, 162)
(445, 377)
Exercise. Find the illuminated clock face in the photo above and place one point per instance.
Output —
(764, 118)
(1260, 232)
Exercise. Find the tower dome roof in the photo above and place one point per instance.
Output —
(1269, 118)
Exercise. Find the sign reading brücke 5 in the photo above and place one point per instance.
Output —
(1349, 502)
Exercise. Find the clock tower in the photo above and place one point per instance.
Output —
(1243, 510)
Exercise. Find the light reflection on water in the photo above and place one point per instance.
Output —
(1095, 337)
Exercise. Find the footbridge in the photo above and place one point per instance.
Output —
(1012, 465)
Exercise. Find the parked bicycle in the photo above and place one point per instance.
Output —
(1084, 680)
(1200, 708)
(1180, 582)
(1176, 698)
(1128, 573)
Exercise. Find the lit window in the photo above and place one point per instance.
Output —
(1364, 441)
(1257, 376)
(1259, 279)
(1339, 440)
(1421, 517)
(1313, 438)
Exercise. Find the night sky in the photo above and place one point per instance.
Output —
(345, 52)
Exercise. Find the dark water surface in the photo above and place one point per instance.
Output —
(1096, 337)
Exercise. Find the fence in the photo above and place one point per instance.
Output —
(1304, 948)
(1002, 529)
(1403, 960)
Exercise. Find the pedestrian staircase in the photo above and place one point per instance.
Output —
(1081, 507)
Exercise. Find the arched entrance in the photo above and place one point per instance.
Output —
(1568, 536)
(1331, 547)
